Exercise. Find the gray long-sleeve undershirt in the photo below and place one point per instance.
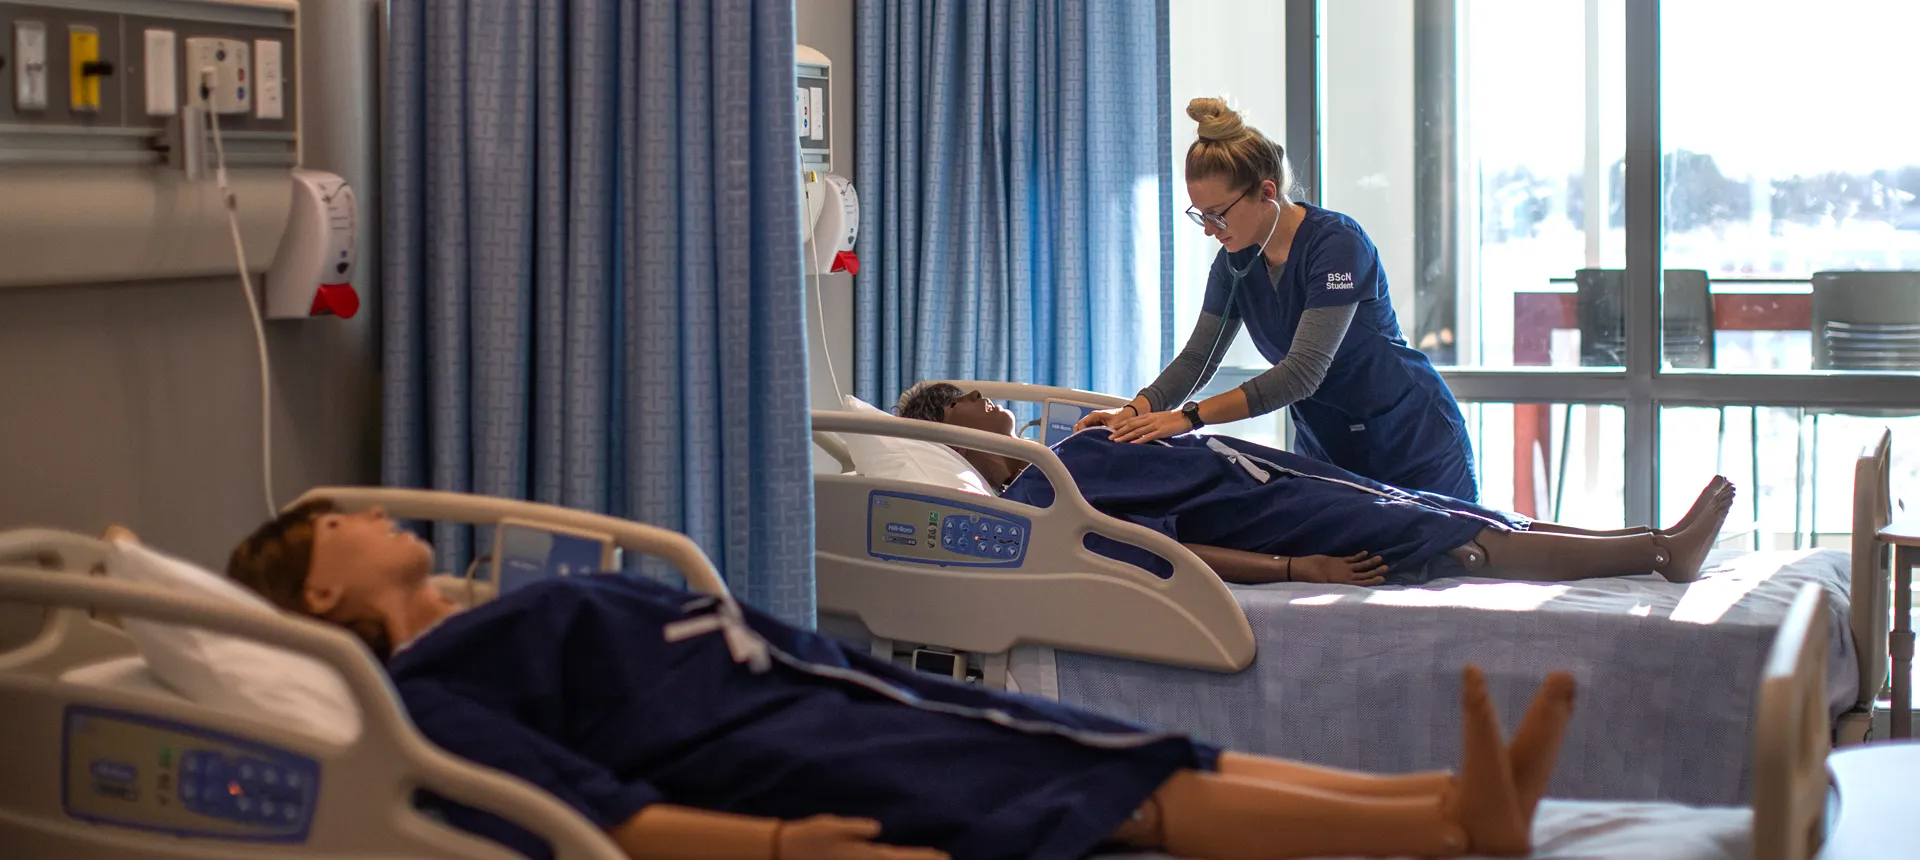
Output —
(1297, 376)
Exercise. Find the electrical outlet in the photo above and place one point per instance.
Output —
(269, 80)
(163, 84)
(29, 65)
(232, 62)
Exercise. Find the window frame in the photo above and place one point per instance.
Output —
(1641, 387)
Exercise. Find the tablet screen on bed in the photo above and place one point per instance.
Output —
(1060, 418)
(527, 552)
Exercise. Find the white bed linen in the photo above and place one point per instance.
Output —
(1589, 830)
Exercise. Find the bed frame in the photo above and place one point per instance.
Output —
(1066, 596)
(363, 811)
(1063, 595)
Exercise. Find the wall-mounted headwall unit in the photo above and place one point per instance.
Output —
(813, 96)
(107, 161)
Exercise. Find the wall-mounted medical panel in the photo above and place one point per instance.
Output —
(813, 95)
(101, 80)
(107, 163)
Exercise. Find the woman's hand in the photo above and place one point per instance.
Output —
(1146, 428)
(1358, 569)
(1105, 418)
(830, 837)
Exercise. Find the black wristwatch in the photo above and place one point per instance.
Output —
(1192, 411)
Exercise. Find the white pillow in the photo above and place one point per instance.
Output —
(910, 459)
(120, 673)
(226, 672)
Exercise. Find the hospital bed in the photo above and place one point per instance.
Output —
(64, 723)
(1348, 677)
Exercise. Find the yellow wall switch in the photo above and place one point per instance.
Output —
(83, 57)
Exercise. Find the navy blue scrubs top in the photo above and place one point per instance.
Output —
(1382, 410)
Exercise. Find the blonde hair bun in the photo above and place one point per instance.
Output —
(1217, 121)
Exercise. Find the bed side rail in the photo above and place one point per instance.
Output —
(366, 784)
(1063, 594)
(62, 637)
(1871, 587)
(1792, 735)
(442, 506)
(1027, 392)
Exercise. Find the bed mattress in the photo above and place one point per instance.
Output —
(1586, 830)
(1369, 679)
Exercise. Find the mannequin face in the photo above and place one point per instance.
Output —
(976, 412)
(1247, 212)
(359, 558)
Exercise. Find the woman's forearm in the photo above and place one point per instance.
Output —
(1246, 568)
(1194, 366)
(666, 832)
(1226, 407)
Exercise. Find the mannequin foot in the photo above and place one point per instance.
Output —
(1702, 503)
(1487, 806)
(1680, 555)
(1536, 744)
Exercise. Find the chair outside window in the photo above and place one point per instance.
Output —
(1686, 317)
(1862, 320)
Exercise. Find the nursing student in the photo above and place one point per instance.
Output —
(1307, 284)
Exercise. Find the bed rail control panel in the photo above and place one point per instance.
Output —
(927, 530)
(145, 773)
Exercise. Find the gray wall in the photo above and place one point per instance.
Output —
(140, 403)
(827, 26)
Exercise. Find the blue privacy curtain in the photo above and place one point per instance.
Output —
(1014, 175)
(593, 247)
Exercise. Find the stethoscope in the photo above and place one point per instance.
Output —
(1226, 312)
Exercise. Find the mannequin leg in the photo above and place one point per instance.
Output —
(1208, 816)
(1534, 752)
(1536, 743)
(1547, 528)
(1702, 504)
(1333, 779)
(1223, 816)
(1546, 557)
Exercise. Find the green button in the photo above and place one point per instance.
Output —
(166, 756)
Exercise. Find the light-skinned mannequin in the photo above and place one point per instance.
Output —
(362, 571)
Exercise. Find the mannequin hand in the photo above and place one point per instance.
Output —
(1358, 569)
(1103, 418)
(830, 837)
(1147, 428)
(118, 532)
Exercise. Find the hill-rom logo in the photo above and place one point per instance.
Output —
(1339, 280)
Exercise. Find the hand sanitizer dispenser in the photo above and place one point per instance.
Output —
(312, 272)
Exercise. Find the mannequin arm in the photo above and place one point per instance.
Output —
(1254, 568)
(1250, 568)
(664, 831)
(679, 833)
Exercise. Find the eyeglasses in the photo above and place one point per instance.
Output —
(1219, 219)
